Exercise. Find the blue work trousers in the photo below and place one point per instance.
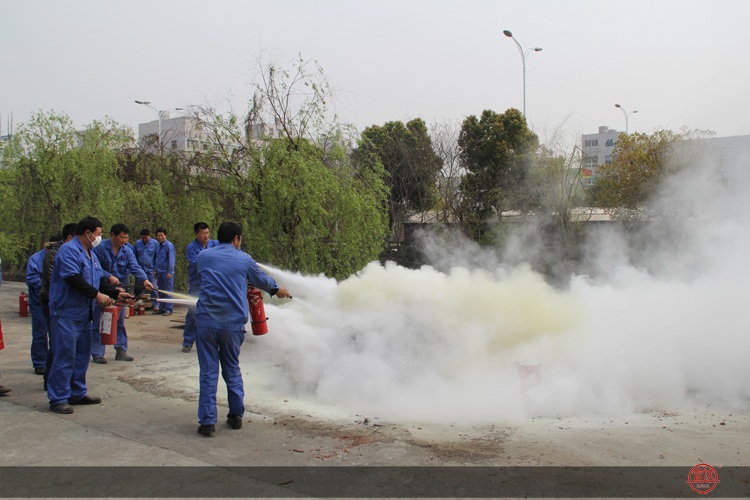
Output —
(97, 348)
(71, 347)
(219, 347)
(166, 284)
(188, 334)
(38, 329)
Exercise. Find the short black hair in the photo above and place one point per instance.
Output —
(145, 232)
(199, 226)
(69, 230)
(119, 228)
(162, 230)
(54, 238)
(87, 224)
(228, 231)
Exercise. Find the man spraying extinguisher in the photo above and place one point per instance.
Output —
(76, 286)
(220, 317)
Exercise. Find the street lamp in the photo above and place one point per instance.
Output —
(524, 55)
(626, 116)
(158, 114)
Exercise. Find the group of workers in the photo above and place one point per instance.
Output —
(71, 279)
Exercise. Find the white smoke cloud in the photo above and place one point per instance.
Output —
(664, 329)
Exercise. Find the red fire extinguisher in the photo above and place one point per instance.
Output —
(23, 306)
(108, 325)
(257, 312)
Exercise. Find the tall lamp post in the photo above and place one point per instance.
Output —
(158, 114)
(626, 116)
(524, 55)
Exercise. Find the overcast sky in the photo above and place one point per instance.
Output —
(679, 63)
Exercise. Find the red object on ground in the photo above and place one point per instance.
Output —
(23, 306)
(108, 325)
(2, 344)
(257, 312)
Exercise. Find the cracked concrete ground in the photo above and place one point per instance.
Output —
(149, 418)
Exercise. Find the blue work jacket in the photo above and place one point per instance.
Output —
(145, 254)
(224, 273)
(193, 249)
(121, 265)
(165, 258)
(34, 270)
(65, 301)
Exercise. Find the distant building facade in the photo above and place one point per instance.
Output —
(597, 150)
(729, 156)
(183, 133)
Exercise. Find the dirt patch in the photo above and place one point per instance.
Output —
(158, 387)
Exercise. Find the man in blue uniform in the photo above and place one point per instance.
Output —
(165, 259)
(221, 315)
(48, 263)
(38, 324)
(145, 254)
(201, 242)
(74, 290)
(117, 259)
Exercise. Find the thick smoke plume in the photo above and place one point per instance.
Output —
(662, 325)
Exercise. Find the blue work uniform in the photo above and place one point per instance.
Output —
(165, 260)
(145, 254)
(194, 286)
(71, 315)
(221, 315)
(34, 268)
(121, 266)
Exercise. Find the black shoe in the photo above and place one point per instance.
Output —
(206, 430)
(122, 355)
(87, 400)
(235, 421)
(167, 313)
(62, 408)
(186, 348)
(156, 311)
(102, 360)
(4, 390)
(39, 370)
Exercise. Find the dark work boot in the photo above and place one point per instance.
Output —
(206, 430)
(122, 355)
(235, 421)
(64, 408)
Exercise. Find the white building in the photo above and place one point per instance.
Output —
(597, 150)
(179, 134)
(182, 133)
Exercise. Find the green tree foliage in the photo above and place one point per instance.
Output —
(496, 151)
(640, 163)
(54, 174)
(48, 180)
(632, 186)
(303, 203)
(411, 164)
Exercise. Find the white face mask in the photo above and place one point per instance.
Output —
(96, 241)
